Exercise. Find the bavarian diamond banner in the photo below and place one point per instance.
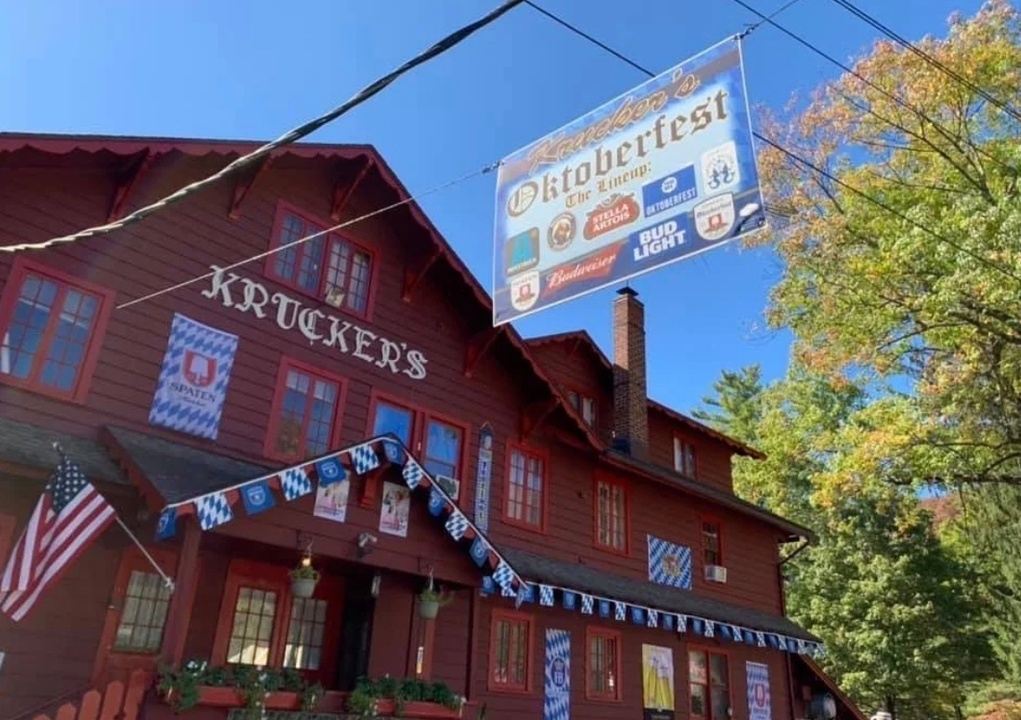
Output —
(557, 686)
(661, 173)
(193, 379)
(758, 691)
(669, 564)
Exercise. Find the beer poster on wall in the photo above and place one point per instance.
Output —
(193, 378)
(657, 682)
(661, 173)
(395, 509)
(758, 691)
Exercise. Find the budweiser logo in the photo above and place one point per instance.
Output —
(614, 212)
(593, 266)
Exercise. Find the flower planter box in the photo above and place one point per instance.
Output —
(230, 697)
(425, 710)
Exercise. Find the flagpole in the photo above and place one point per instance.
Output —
(168, 582)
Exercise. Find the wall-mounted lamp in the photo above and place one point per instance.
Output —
(366, 543)
(377, 580)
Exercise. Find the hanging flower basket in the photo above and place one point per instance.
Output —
(430, 600)
(304, 579)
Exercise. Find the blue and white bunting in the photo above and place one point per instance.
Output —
(257, 497)
(546, 596)
(393, 452)
(412, 473)
(213, 510)
(479, 551)
(586, 604)
(364, 459)
(508, 591)
(503, 575)
(457, 525)
(710, 629)
(760, 639)
(166, 526)
(682, 623)
(619, 611)
(329, 470)
(294, 483)
(604, 609)
(436, 503)
(524, 595)
(488, 585)
(668, 621)
(637, 615)
(570, 600)
(652, 618)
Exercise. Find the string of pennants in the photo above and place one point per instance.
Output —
(607, 608)
(257, 495)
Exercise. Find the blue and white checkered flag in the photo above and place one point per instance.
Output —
(393, 452)
(213, 510)
(619, 611)
(652, 618)
(682, 623)
(412, 473)
(503, 575)
(587, 602)
(736, 632)
(457, 525)
(294, 482)
(710, 629)
(546, 596)
(364, 459)
(802, 647)
(669, 563)
(760, 639)
(508, 591)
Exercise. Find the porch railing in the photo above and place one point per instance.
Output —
(119, 700)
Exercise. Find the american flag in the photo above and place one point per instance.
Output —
(68, 517)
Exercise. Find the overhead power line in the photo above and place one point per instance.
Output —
(821, 171)
(931, 60)
(308, 238)
(287, 138)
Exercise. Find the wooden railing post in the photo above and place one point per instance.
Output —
(185, 583)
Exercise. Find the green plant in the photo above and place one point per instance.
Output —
(305, 572)
(362, 701)
(253, 684)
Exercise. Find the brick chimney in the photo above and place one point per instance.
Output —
(630, 402)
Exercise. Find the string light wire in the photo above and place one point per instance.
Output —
(257, 155)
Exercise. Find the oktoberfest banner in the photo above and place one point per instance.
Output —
(661, 173)
(557, 686)
(193, 379)
(758, 691)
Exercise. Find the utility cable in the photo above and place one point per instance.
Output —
(851, 71)
(824, 173)
(256, 156)
(928, 58)
(294, 243)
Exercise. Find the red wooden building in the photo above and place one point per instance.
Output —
(371, 329)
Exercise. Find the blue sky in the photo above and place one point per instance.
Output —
(192, 68)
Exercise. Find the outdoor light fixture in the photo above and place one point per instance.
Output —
(366, 543)
(377, 580)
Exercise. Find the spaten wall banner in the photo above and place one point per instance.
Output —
(661, 173)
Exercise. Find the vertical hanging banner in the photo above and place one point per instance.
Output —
(483, 475)
(557, 693)
(758, 692)
(193, 379)
(661, 173)
(657, 682)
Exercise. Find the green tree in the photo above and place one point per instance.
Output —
(893, 606)
(923, 291)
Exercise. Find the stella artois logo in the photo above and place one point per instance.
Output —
(614, 212)
(199, 369)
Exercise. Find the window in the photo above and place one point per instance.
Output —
(51, 327)
(143, 614)
(611, 515)
(709, 680)
(391, 418)
(261, 623)
(684, 458)
(442, 451)
(585, 405)
(304, 413)
(602, 676)
(330, 267)
(510, 651)
(524, 503)
(712, 547)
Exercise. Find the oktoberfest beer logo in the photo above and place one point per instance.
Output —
(561, 231)
(715, 217)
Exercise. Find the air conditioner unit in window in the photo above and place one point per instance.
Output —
(452, 486)
(716, 573)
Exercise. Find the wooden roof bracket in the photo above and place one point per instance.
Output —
(243, 185)
(415, 270)
(534, 414)
(127, 182)
(344, 188)
(477, 347)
